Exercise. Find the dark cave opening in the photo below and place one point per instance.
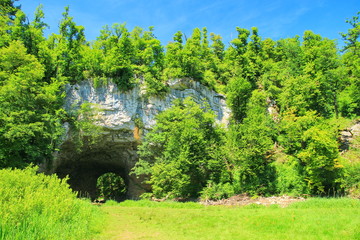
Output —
(84, 168)
(83, 176)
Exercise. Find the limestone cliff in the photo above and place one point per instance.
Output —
(116, 151)
(120, 109)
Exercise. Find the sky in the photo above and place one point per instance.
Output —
(275, 19)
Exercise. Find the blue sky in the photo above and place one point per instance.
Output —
(275, 19)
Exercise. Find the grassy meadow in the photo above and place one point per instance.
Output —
(312, 219)
(35, 206)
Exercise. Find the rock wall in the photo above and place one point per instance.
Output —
(116, 150)
(120, 109)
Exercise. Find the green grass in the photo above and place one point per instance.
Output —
(34, 206)
(313, 219)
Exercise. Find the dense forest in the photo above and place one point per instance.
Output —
(289, 98)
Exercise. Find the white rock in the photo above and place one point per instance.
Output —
(120, 109)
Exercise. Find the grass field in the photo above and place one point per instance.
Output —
(312, 219)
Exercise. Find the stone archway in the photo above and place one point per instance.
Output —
(84, 167)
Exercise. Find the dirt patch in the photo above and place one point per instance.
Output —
(243, 199)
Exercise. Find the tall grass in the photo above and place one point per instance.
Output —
(36, 206)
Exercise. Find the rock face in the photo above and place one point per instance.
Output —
(119, 116)
(348, 135)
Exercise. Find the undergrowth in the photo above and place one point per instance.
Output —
(37, 206)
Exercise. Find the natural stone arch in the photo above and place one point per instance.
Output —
(85, 166)
(125, 117)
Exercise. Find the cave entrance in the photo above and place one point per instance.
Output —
(84, 168)
(83, 176)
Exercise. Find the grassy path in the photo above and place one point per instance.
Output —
(313, 220)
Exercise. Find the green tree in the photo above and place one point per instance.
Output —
(313, 86)
(119, 54)
(66, 47)
(32, 36)
(30, 109)
(178, 153)
(149, 60)
(174, 58)
(351, 98)
(351, 38)
(111, 186)
(217, 46)
(254, 55)
(192, 56)
(238, 93)
(242, 61)
(255, 144)
(319, 157)
(311, 143)
(7, 16)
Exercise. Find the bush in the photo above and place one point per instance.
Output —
(111, 186)
(36, 206)
(218, 191)
(289, 179)
(351, 179)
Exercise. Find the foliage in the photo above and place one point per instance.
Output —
(289, 177)
(67, 48)
(30, 109)
(284, 96)
(351, 61)
(36, 206)
(178, 151)
(351, 180)
(350, 160)
(320, 159)
(238, 94)
(249, 149)
(85, 119)
(217, 191)
(312, 143)
(111, 186)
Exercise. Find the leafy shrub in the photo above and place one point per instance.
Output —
(320, 159)
(111, 186)
(288, 178)
(351, 179)
(218, 191)
(153, 86)
(36, 206)
(100, 81)
(87, 132)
